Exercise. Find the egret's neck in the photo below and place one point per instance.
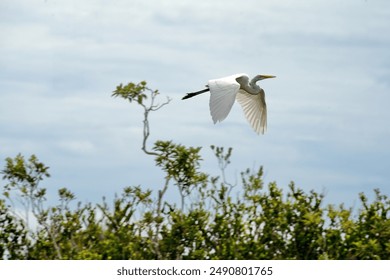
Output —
(255, 79)
(249, 87)
(252, 87)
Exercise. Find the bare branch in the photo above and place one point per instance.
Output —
(159, 106)
(136, 93)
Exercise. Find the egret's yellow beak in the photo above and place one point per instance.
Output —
(267, 76)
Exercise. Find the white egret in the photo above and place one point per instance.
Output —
(225, 90)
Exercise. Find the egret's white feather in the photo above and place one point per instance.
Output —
(255, 109)
(222, 96)
(224, 91)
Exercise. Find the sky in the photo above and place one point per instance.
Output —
(328, 108)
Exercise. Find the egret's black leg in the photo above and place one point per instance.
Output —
(192, 94)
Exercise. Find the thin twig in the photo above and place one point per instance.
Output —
(158, 222)
(146, 129)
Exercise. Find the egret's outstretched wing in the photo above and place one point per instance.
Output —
(222, 96)
(255, 109)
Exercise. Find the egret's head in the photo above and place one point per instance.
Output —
(262, 77)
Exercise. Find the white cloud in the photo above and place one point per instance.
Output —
(81, 147)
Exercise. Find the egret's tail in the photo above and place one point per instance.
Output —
(192, 94)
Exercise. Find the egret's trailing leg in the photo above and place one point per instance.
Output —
(192, 94)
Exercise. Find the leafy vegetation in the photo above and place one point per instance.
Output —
(261, 222)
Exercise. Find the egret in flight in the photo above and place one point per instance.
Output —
(224, 91)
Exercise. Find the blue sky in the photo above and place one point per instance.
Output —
(328, 116)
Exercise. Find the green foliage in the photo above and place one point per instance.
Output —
(132, 92)
(13, 235)
(24, 176)
(259, 222)
(180, 164)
